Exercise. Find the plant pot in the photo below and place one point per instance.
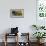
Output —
(40, 41)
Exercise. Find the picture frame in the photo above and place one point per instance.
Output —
(17, 13)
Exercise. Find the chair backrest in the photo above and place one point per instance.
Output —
(14, 30)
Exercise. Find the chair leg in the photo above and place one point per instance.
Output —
(5, 43)
(17, 41)
(5, 40)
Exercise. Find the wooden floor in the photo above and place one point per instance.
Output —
(13, 44)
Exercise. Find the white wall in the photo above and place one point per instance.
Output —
(24, 24)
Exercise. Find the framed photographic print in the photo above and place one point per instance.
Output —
(17, 13)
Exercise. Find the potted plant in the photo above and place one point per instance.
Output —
(38, 27)
(35, 27)
(42, 27)
(39, 35)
